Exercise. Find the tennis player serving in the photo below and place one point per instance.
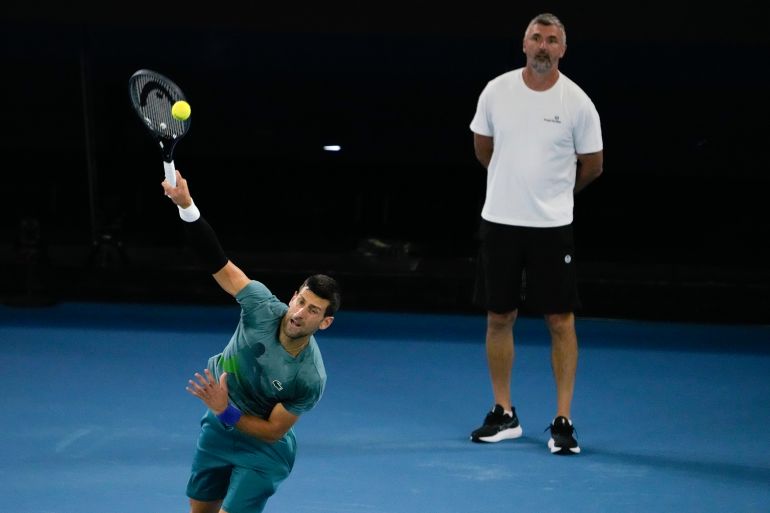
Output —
(270, 372)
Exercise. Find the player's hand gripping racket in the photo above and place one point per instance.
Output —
(153, 97)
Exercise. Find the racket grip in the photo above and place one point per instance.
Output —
(170, 171)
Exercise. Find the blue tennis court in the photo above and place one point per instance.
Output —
(670, 417)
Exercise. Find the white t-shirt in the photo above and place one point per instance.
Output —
(537, 135)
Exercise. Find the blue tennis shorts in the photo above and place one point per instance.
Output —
(239, 469)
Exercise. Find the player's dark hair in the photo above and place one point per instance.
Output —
(327, 288)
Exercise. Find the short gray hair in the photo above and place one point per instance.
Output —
(547, 18)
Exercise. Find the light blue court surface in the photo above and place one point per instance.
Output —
(671, 417)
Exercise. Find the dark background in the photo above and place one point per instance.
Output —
(676, 228)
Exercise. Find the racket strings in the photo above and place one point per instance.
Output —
(153, 100)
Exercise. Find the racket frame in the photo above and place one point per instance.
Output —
(162, 126)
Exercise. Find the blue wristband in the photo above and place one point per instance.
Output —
(230, 416)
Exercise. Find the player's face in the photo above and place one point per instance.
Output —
(306, 315)
(544, 46)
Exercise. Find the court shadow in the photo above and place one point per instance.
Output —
(720, 471)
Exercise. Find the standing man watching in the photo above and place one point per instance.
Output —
(539, 137)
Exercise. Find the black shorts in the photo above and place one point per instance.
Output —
(533, 268)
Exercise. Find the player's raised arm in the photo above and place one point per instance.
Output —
(203, 239)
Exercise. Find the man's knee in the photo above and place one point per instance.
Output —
(501, 321)
(561, 323)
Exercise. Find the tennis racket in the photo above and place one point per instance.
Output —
(152, 96)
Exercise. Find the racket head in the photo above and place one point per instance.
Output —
(152, 96)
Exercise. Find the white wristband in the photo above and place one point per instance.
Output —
(189, 214)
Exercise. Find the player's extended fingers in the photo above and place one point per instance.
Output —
(197, 387)
(202, 386)
(195, 390)
(212, 382)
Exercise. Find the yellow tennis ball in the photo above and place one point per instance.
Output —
(181, 110)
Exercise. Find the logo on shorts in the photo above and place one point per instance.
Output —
(277, 384)
(567, 259)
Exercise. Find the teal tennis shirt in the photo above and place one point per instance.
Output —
(261, 373)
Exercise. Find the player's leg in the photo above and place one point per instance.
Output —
(261, 468)
(205, 507)
(498, 290)
(500, 354)
(249, 491)
(211, 467)
(552, 290)
(564, 358)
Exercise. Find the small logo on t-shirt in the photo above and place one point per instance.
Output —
(277, 384)
(567, 259)
(554, 119)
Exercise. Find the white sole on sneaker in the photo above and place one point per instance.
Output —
(554, 449)
(505, 434)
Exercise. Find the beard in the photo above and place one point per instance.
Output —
(541, 63)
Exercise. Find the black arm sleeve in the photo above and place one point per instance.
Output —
(205, 244)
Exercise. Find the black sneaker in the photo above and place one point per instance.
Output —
(498, 426)
(562, 437)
